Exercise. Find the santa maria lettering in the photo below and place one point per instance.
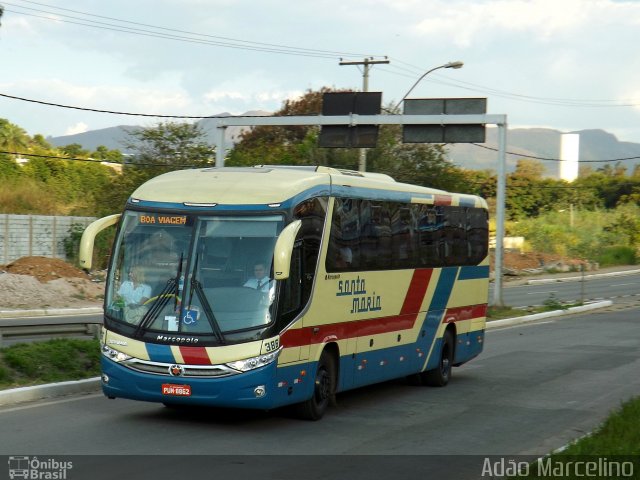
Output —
(362, 301)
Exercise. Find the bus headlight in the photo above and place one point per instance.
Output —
(114, 355)
(254, 362)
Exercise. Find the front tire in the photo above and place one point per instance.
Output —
(323, 390)
(440, 376)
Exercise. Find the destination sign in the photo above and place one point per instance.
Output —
(160, 219)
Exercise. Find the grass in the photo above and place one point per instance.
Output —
(619, 435)
(550, 304)
(616, 441)
(51, 361)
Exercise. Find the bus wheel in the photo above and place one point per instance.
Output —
(440, 376)
(323, 390)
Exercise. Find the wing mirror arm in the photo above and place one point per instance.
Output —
(284, 249)
(88, 238)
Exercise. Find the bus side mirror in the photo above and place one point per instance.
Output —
(89, 236)
(284, 249)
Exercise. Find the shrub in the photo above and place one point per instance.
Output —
(617, 255)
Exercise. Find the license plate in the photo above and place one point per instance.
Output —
(176, 390)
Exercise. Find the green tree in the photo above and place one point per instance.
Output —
(169, 146)
(622, 227)
(40, 142)
(480, 182)
(159, 149)
(12, 137)
(104, 154)
(74, 150)
(291, 145)
(419, 164)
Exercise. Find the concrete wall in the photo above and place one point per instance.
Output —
(31, 235)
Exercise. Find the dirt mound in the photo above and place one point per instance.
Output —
(40, 282)
(517, 263)
(44, 269)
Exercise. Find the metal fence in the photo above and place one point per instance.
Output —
(29, 235)
(17, 330)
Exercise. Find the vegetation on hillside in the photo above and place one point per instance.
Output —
(594, 217)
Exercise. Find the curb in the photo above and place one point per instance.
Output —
(50, 312)
(39, 392)
(580, 277)
(507, 322)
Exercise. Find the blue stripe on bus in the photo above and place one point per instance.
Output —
(203, 210)
(316, 191)
(443, 289)
(160, 353)
(377, 194)
(474, 273)
(467, 202)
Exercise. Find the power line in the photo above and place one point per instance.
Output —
(557, 159)
(86, 109)
(567, 102)
(199, 117)
(176, 34)
(93, 160)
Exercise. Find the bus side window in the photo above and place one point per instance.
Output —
(477, 235)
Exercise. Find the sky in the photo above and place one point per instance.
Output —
(562, 64)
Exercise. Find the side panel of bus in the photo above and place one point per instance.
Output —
(389, 323)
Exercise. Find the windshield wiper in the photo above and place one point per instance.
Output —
(171, 288)
(215, 328)
(163, 298)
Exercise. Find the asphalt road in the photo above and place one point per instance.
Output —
(621, 289)
(534, 388)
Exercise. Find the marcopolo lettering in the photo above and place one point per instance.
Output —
(167, 339)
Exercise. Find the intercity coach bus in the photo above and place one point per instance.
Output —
(365, 279)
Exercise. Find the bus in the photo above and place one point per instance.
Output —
(365, 279)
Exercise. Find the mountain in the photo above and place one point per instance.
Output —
(117, 137)
(544, 143)
(521, 142)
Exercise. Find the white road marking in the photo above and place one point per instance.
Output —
(530, 324)
(38, 403)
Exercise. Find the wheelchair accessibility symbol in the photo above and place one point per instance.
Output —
(190, 317)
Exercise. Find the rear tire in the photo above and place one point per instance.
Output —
(323, 390)
(440, 376)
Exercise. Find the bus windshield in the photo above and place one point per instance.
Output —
(194, 275)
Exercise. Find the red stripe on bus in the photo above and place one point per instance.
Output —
(417, 291)
(195, 355)
(345, 330)
(467, 312)
(442, 200)
(358, 328)
(374, 326)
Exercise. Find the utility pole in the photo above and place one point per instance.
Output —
(366, 63)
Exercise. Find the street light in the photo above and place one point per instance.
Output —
(457, 64)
